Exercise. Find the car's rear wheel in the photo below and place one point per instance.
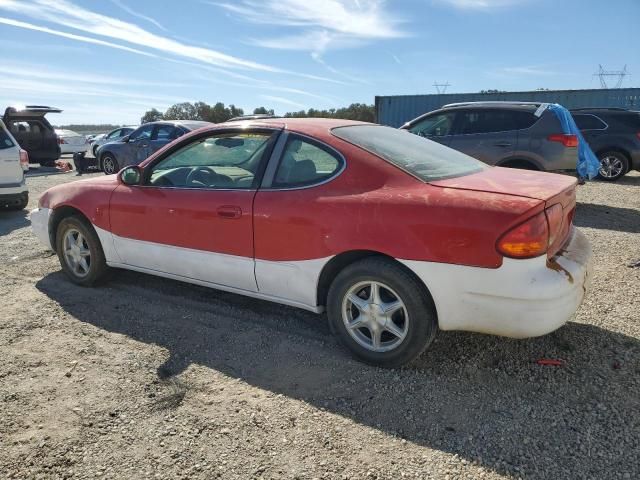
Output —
(613, 165)
(80, 252)
(109, 164)
(381, 312)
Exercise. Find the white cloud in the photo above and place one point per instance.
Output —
(525, 71)
(284, 101)
(133, 13)
(80, 38)
(329, 24)
(479, 4)
(70, 15)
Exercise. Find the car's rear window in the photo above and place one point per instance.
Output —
(416, 155)
(5, 140)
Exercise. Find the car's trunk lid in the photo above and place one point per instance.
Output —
(550, 188)
(29, 111)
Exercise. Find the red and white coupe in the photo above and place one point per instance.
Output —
(394, 235)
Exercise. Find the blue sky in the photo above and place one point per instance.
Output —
(109, 61)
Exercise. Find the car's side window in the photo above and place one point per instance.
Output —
(114, 134)
(226, 161)
(485, 121)
(165, 132)
(141, 133)
(305, 162)
(434, 126)
(589, 122)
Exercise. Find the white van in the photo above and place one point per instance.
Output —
(13, 162)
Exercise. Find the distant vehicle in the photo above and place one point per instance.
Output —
(71, 142)
(13, 161)
(393, 235)
(33, 132)
(506, 134)
(112, 136)
(614, 136)
(142, 142)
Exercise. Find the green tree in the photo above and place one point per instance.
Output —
(152, 115)
(181, 111)
(263, 111)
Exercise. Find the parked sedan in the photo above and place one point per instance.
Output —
(142, 142)
(393, 234)
(112, 136)
(71, 142)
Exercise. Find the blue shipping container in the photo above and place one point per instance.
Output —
(397, 109)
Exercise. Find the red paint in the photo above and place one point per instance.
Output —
(551, 362)
(371, 205)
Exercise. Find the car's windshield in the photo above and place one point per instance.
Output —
(420, 157)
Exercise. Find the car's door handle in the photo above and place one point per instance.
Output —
(229, 211)
(143, 144)
(502, 144)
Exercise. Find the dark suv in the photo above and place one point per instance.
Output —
(33, 132)
(614, 136)
(507, 134)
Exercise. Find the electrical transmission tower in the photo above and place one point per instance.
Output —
(441, 87)
(616, 75)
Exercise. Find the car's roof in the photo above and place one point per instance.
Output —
(298, 124)
(494, 104)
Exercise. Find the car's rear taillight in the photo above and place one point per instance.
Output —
(566, 139)
(638, 135)
(534, 236)
(527, 240)
(61, 141)
(24, 158)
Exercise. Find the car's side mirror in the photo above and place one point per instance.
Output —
(125, 139)
(131, 175)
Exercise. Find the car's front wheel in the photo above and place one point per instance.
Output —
(613, 165)
(381, 312)
(109, 164)
(80, 252)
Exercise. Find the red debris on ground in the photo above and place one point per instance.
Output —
(550, 361)
(64, 166)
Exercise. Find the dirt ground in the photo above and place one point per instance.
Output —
(150, 378)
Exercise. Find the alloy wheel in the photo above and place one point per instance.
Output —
(77, 254)
(611, 166)
(375, 316)
(108, 165)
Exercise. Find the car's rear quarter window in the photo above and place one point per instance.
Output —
(416, 155)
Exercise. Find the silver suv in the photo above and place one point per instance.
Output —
(506, 134)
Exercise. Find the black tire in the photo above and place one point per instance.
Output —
(48, 163)
(109, 163)
(421, 324)
(613, 165)
(97, 266)
(24, 200)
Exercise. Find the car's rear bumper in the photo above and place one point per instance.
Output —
(40, 225)
(522, 298)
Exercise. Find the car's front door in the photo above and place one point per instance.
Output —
(136, 149)
(162, 135)
(192, 216)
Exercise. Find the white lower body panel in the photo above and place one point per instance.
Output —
(522, 298)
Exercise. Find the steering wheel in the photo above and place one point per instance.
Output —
(205, 172)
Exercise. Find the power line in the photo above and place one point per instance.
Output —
(616, 75)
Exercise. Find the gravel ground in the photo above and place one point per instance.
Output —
(150, 378)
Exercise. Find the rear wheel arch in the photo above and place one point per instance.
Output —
(627, 155)
(341, 261)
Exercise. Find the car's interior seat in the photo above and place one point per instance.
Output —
(303, 171)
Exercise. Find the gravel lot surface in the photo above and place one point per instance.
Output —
(150, 378)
